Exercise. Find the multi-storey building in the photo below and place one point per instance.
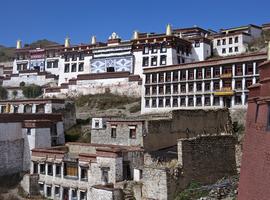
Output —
(213, 83)
(234, 40)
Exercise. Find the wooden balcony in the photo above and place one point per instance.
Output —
(225, 91)
(226, 75)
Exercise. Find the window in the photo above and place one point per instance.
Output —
(168, 102)
(168, 89)
(190, 75)
(66, 58)
(175, 89)
(160, 89)
(163, 59)
(74, 67)
(238, 100)
(28, 131)
(49, 64)
(41, 188)
(230, 40)
(161, 77)
(110, 69)
(132, 132)
(230, 50)
(154, 49)
(207, 86)
(66, 68)
(236, 39)
(182, 101)
(175, 102)
(208, 73)
(207, 101)
(175, 76)
(49, 169)
(58, 170)
(145, 61)
(70, 170)
(190, 87)
(183, 88)
(35, 168)
(105, 175)
(81, 56)
(147, 78)
(146, 50)
(74, 194)
(249, 68)
(147, 103)
(248, 83)
(154, 90)
(42, 168)
(183, 75)
(199, 87)
(216, 101)
(163, 48)
(154, 78)
(216, 85)
(160, 102)
(147, 90)
(74, 57)
(223, 41)
(154, 102)
(197, 43)
(218, 42)
(113, 131)
(56, 191)
(238, 84)
(235, 49)
(199, 101)
(154, 60)
(49, 191)
(199, 74)
(190, 101)
(55, 64)
(84, 175)
(223, 50)
(168, 77)
(239, 70)
(81, 67)
(216, 72)
(82, 195)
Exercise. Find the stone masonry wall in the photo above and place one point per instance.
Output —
(207, 158)
(11, 156)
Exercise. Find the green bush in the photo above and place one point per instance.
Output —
(3, 93)
(22, 84)
(194, 191)
(32, 91)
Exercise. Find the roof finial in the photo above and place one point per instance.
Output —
(168, 29)
(19, 44)
(135, 35)
(67, 42)
(93, 40)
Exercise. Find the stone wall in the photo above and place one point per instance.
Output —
(29, 183)
(103, 193)
(11, 156)
(208, 158)
(184, 124)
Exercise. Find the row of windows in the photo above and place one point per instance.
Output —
(74, 57)
(52, 64)
(154, 60)
(182, 101)
(132, 132)
(198, 74)
(47, 189)
(184, 88)
(74, 67)
(154, 48)
(230, 40)
(230, 50)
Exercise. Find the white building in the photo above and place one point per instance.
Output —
(234, 40)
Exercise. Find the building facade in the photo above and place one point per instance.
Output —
(215, 83)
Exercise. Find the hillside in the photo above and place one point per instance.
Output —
(8, 53)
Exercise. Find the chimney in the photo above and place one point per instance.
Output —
(168, 30)
(19, 44)
(135, 35)
(67, 42)
(93, 40)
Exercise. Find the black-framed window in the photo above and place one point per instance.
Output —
(66, 68)
(154, 60)
(236, 39)
(218, 42)
(163, 60)
(113, 131)
(163, 48)
(154, 48)
(145, 50)
(81, 67)
(74, 67)
(145, 61)
(230, 40)
(132, 132)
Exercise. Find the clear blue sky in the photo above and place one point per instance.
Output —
(31, 20)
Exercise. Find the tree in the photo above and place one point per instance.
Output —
(32, 91)
(3, 93)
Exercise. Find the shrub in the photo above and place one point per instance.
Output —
(22, 84)
(3, 93)
(32, 91)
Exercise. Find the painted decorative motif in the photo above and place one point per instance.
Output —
(116, 64)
